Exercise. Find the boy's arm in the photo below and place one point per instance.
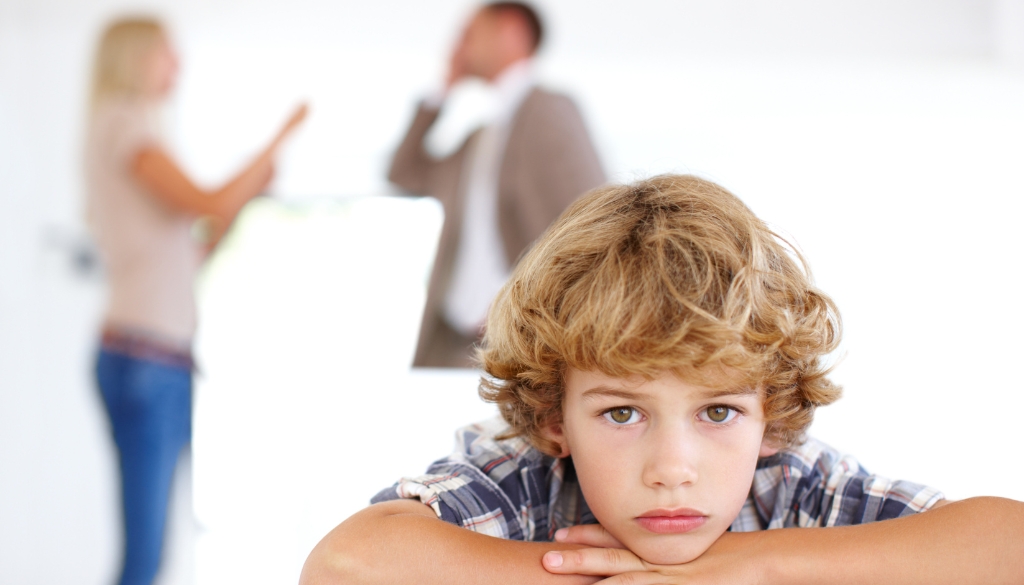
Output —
(980, 540)
(404, 542)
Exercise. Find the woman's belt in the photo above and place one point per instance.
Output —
(146, 347)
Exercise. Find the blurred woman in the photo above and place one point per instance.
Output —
(143, 211)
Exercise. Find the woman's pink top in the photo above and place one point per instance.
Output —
(150, 256)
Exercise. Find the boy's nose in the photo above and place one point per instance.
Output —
(670, 463)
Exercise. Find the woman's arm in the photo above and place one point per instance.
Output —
(404, 542)
(976, 541)
(155, 169)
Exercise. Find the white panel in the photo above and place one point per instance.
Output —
(1008, 21)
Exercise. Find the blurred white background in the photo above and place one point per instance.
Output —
(885, 137)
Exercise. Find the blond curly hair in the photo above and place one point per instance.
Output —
(669, 274)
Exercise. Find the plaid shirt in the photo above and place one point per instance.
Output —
(508, 489)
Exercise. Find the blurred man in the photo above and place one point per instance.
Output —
(502, 187)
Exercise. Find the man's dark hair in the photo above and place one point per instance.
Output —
(527, 13)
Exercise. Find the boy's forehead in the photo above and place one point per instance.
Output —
(719, 379)
(711, 382)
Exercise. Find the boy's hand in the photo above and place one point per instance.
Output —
(588, 535)
(728, 561)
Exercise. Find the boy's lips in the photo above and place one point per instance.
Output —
(677, 521)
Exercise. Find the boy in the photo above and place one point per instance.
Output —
(656, 359)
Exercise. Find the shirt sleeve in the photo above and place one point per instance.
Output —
(136, 129)
(488, 486)
(460, 494)
(813, 485)
(853, 496)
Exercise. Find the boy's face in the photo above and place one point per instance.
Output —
(665, 465)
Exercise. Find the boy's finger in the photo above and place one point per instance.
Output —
(592, 561)
(634, 578)
(589, 535)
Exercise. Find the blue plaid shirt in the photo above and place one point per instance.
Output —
(508, 489)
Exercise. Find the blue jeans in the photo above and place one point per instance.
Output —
(150, 410)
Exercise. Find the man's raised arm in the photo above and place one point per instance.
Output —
(411, 164)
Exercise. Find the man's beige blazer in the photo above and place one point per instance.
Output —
(548, 162)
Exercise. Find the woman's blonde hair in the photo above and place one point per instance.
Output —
(670, 274)
(118, 66)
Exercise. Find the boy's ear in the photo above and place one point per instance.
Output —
(768, 448)
(554, 432)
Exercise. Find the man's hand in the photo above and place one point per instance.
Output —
(730, 561)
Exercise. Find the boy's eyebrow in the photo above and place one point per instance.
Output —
(615, 393)
(711, 394)
(734, 391)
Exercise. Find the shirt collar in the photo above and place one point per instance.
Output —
(511, 86)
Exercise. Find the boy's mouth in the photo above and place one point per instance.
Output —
(677, 521)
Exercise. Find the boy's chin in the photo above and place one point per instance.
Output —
(671, 550)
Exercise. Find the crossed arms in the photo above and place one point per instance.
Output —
(979, 540)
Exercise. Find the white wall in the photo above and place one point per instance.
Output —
(884, 136)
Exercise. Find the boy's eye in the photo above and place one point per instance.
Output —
(622, 415)
(718, 414)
